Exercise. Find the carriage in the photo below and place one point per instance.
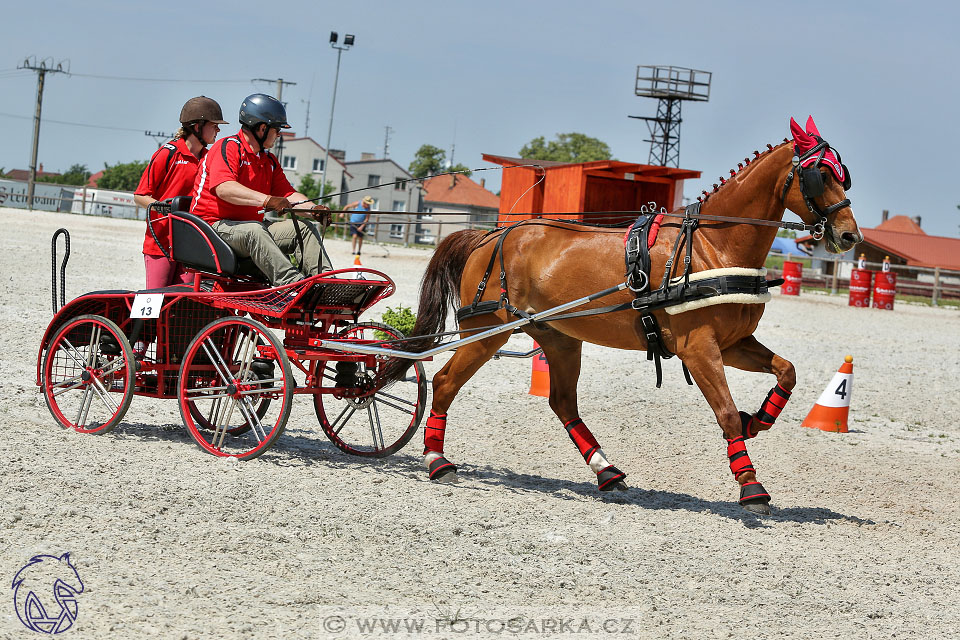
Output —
(233, 351)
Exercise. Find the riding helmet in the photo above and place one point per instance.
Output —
(201, 109)
(261, 108)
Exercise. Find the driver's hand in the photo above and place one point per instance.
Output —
(321, 213)
(276, 203)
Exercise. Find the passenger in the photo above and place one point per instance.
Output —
(240, 178)
(358, 222)
(170, 173)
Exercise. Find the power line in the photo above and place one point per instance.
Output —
(136, 79)
(74, 124)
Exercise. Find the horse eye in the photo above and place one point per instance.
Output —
(826, 176)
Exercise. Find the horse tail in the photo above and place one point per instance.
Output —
(439, 291)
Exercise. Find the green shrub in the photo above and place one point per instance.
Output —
(402, 320)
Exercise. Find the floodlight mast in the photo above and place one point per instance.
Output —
(347, 43)
(671, 86)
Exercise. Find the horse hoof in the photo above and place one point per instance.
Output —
(759, 508)
(442, 470)
(450, 477)
(754, 498)
(610, 479)
(617, 486)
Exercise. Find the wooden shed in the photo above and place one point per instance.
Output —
(570, 190)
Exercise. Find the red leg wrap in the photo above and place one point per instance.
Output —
(433, 434)
(739, 460)
(581, 436)
(774, 403)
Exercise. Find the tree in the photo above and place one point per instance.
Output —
(568, 147)
(123, 176)
(430, 160)
(77, 175)
(311, 188)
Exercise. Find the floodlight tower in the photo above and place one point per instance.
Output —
(671, 86)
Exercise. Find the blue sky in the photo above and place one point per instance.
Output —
(488, 77)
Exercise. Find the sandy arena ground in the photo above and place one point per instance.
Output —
(307, 542)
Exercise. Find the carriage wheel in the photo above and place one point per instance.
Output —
(359, 418)
(235, 388)
(88, 374)
(206, 421)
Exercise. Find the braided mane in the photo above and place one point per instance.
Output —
(741, 166)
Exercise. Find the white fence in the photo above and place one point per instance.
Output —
(81, 200)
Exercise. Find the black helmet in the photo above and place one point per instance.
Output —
(261, 108)
(201, 109)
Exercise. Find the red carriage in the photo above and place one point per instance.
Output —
(230, 349)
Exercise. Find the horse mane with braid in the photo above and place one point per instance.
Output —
(439, 291)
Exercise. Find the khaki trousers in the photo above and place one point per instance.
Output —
(269, 245)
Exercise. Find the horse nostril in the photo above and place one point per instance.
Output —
(850, 237)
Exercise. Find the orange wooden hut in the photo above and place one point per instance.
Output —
(570, 190)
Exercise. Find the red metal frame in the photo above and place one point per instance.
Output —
(307, 311)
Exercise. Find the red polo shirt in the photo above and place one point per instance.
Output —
(232, 159)
(171, 172)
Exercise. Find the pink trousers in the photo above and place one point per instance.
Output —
(163, 273)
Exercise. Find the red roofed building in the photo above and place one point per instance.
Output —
(452, 203)
(24, 174)
(902, 239)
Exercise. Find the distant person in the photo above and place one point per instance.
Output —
(170, 173)
(358, 222)
(240, 178)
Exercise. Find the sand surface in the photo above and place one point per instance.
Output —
(308, 542)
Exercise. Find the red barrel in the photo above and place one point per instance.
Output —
(884, 289)
(792, 274)
(860, 283)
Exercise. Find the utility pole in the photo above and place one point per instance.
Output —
(159, 136)
(42, 68)
(280, 82)
(386, 142)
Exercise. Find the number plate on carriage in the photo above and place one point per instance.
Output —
(146, 305)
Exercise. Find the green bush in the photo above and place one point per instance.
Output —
(402, 320)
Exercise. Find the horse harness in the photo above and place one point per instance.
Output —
(672, 292)
(811, 183)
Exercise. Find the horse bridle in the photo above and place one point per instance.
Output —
(811, 184)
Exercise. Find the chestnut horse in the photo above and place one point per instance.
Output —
(548, 263)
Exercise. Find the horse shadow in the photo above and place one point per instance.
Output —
(294, 449)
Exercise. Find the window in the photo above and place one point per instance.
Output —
(373, 180)
(317, 165)
(290, 162)
(396, 231)
(399, 205)
(401, 184)
(425, 216)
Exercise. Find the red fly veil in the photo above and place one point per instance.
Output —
(803, 141)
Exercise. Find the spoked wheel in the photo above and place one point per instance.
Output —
(88, 374)
(235, 388)
(359, 418)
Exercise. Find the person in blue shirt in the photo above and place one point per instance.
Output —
(358, 222)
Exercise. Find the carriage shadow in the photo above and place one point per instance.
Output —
(295, 450)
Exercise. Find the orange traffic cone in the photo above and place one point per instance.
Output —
(356, 260)
(540, 376)
(830, 411)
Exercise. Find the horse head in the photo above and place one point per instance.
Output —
(821, 178)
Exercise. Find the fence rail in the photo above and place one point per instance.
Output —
(925, 282)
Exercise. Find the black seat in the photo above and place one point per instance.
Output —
(196, 244)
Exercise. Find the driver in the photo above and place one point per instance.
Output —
(239, 178)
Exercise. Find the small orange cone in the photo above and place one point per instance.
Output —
(831, 410)
(540, 376)
(356, 260)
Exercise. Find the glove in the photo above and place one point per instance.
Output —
(321, 214)
(275, 203)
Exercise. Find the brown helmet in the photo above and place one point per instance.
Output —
(201, 109)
